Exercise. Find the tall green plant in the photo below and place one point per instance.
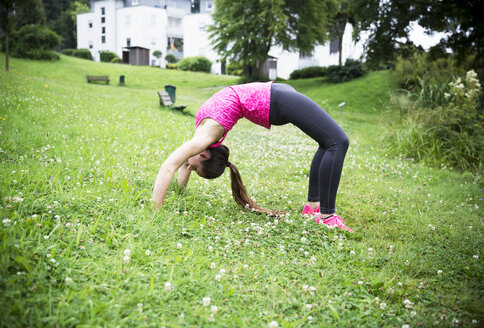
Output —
(451, 134)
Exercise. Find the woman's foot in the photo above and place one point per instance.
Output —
(308, 210)
(332, 220)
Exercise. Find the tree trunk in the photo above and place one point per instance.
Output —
(6, 50)
(340, 40)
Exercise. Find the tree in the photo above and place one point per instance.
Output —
(66, 24)
(245, 30)
(388, 24)
(6, 11)
(343, 16)
(29, 12)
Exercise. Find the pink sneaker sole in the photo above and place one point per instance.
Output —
(309, 211)
(334, 221)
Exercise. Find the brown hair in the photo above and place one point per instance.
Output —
(214, 167)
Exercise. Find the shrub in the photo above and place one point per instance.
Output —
(171, 66)
(83, 53)
(170, 58)
(107, 56)
(234, 68)
(450, 135)
(410, 72)
(157, 53)
(349, 71)
(196, 64)
(68, 52)
(307, 72)
(116, 60)
(34, 42)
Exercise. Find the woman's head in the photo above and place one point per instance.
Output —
(213, 166)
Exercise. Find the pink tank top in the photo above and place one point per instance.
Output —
(252, 101)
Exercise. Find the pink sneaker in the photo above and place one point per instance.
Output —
(334, 221)
(307, 210)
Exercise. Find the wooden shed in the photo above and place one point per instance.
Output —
(136, 56)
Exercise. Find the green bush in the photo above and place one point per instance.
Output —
(34, 42)
(448, 135)
(170, 58)
(307, 72)
(352, 69)
(116, 60)
(196, 64)
(234, 68)
(83, 53)
(107, 56)
(68, 52)
(171, 66)
(410, 72)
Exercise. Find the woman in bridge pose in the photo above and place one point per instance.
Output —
(264, 104)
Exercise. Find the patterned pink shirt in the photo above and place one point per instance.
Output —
(251, 100)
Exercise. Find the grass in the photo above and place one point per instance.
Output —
(80, 245)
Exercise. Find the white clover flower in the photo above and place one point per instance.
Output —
(383, 305)
(399, 284)
(179, 245)
(214, 309)
(222, 271)
(439, 272)
(69, 281)
(303, 239)
(305, 288)
(6, 222)
(212, 265)
(148, 252)
(211, 318)
(126, 259)
(405, 326)
(273, 324)
(476, 256)
(352, 253)
(206, 301)
(360, 282)
(127, 252)
(218, 277)
(167, 286)
(308, 307)
(210, 248)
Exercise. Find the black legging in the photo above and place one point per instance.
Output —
(290, 106)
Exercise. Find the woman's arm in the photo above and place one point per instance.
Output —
(183, 175)
(167, 170)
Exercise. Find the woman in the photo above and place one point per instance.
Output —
(264, 104)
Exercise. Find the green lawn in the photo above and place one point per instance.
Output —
(80, 245)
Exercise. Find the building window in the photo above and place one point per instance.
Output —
(103, 20)
(103, 39)
(90, 44)
(103, 11)
(103, 30)
(209, 4)
(127, 19)
(128, 42)
(90, 24)
(195, 6)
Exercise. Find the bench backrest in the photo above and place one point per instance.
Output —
(165, 99)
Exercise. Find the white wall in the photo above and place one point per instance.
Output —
(196, 41)
(145, 26)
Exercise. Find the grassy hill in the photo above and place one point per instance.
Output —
(80, 245)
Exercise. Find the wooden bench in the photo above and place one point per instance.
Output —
(165, 101)
(99, 78)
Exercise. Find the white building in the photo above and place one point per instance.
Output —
(116, 25)
(179, 27)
